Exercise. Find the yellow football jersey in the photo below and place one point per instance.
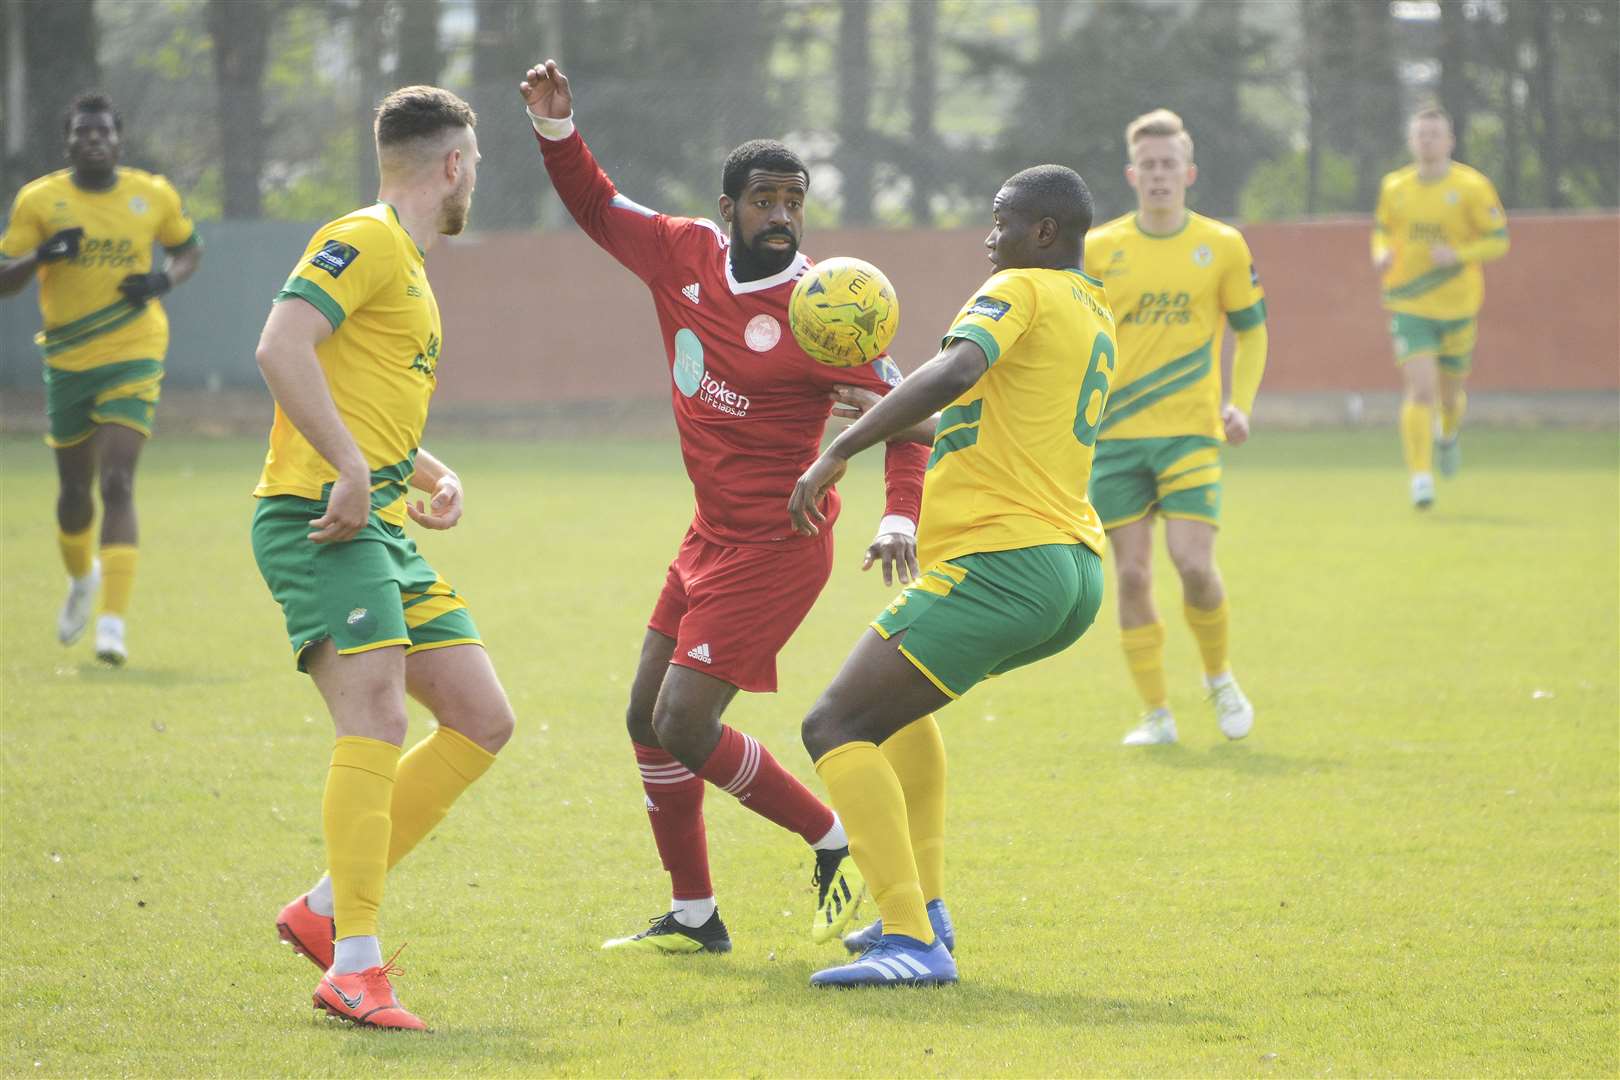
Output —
(86, 321)
(366, 275)
(1012, 456)
(1171, 294)
(1458, 210)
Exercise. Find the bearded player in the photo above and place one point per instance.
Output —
(750, 407)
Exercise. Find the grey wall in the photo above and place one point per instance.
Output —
(214, 318)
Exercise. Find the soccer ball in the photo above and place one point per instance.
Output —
(843, 312)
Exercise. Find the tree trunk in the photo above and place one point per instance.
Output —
(367, 27)
(923, 21)
(854, 99)
(505, 33)
(420, 58)
(1454, 89)
(1376, 95)
(1552, 195)
(241, 34)
(59, 61)
(1513, 34)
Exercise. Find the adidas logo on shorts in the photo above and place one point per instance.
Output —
(700, 653)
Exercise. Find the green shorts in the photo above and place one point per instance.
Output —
(1179, 475)
(366, 593)
(1451, 341)
(981, 615)
(123, 392)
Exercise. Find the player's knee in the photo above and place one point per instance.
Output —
(117, 487)
(1198, 574)
(1135, 579)
(497, 729)
(638, 722)
(821, 730)
(676, 732)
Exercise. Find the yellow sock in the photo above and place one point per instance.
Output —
(1451, 419)
(78, 550)
(867, 795)
(117, 577)
(917, 754)
(354, 817)
(1209, 627)
(431, 776)
(1144, 652)
(1417, 437)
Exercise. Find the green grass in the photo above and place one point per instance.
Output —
(1410, 868)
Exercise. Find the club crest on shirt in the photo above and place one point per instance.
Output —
(137, 205)
(762, 333)
(1202, 256)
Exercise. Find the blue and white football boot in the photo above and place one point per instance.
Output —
(867, 936)
(896, 960)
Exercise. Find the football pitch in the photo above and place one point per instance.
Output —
(1410, 868)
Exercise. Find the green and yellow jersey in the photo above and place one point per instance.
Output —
(1012, 456)
(1173, 296)
(86, 321)
(1460, 210)
(366, 275)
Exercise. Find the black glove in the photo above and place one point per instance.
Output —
(61, 245)
(139, 288)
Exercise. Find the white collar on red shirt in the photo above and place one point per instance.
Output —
(793, 270)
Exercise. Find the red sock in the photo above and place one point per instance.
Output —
(675, 811)
(746, 769)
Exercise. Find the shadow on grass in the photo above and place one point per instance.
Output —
(1495, 521)
(1236, 759)
(977, 999)
(95, 674)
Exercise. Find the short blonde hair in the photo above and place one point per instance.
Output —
(1431, 111)
(1161, 122)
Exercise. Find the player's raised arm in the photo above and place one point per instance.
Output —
(631, 233)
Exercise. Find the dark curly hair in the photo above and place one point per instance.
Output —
(767, 154)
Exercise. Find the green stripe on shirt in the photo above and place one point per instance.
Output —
(306, 290)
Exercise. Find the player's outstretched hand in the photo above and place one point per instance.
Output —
(1236, 422)
(804, 505)
(852, 402)
(445, 508)
(545, 92)
(61, 244)
(347, 508)
(139, 288)
(898, 553)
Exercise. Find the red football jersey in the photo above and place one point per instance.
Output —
(750, 406)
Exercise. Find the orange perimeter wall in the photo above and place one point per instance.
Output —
(550, 318)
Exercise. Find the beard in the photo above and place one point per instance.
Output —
(453, 212)
(750, 263)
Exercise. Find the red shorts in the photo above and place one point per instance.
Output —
(731, 609)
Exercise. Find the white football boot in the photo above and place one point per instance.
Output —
(81, 600)
(110, 641)
(1422, 490)
(1157, 728)
(1232, 710)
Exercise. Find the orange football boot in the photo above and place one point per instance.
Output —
(366, 998)
(308, 933)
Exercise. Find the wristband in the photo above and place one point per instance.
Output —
(550, 128)
(897, 523)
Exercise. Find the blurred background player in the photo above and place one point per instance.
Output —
(351, 352)
(1172, 277)
(750, 408)
(1437, 221)
(1011, 549)
(88, 231)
